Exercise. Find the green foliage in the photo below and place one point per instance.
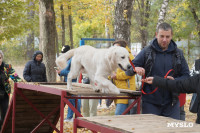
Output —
(88, 18)
(181, 19)
(15, 24)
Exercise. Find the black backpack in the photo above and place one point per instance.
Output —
(150, 54)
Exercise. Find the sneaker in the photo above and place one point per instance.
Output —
(68, 120)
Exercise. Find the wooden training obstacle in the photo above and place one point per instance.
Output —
(138, 123)
(37, 107)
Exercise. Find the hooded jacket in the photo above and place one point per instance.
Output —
(6, 72)
(35, 71)
(163, 62)
(123, 81)
(189, 85)
(66, 71)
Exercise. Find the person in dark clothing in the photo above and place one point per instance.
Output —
(157, 59)
(6, 72)
(188, 85)
(35, 70)
(65, 73)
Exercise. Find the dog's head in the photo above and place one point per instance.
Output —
(119, 57)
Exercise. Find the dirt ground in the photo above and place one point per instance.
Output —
(103, 110)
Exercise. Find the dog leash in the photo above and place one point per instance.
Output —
(156, 87)
(143, 77)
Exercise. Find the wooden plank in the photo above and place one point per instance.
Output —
(143, 123)
(87, 90)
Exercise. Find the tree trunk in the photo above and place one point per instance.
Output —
(63, 24)
(123, 13)
(107, 34)
(197, 20)
(162, 14)
(47, 37)
(57, 47)
(30, 37)
(144, 10)
(70, 24)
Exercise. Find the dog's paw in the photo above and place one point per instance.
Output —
(105, 90)
(116, 91)
(69, 88)
(97, 90)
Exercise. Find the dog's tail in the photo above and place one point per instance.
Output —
(61, 61)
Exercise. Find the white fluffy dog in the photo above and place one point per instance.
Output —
(97, 63)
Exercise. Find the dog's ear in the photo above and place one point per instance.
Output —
(111, 55)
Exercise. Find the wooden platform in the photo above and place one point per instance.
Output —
(86, 90)
(140, 123)
(37, 107)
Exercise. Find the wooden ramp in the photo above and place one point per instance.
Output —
(138, 123)
(31, 109)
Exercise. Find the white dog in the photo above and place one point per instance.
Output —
(97, 63)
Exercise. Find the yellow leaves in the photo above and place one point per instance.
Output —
(185, 5)
(183, 24)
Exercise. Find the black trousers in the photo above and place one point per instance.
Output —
(3, 108)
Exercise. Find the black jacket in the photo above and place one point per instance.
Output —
(162, 63)
(188, 85)
(35, 71)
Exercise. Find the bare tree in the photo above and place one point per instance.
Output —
(47, 37)
(70, 24)
(163, 10)
(107, 34)
(197, 20)
(30, 37)
(63, 24)
(142, 15)
(123, 13)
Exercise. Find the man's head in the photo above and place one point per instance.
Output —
(121, 43)
(65, 48)
(164, 35)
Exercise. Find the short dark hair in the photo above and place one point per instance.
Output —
(164, 26)
(122, 43)
(65, 48)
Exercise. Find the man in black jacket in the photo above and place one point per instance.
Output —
(189, 85)
(157, 59)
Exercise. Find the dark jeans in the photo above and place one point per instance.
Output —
(165, 110)
(182, 113)
(3, 108)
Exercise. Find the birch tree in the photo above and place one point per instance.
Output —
(162, 13)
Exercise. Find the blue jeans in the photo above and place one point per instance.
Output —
(70, 112)
(120, 108)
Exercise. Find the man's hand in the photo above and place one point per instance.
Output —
(170, 77)
(140, 70)
(148, 80)
(58, 71)
(113, 75)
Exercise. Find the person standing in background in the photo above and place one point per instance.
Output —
(6, 72)
(65, 73)
(35, 70)
(89, 106)
(122, 81)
